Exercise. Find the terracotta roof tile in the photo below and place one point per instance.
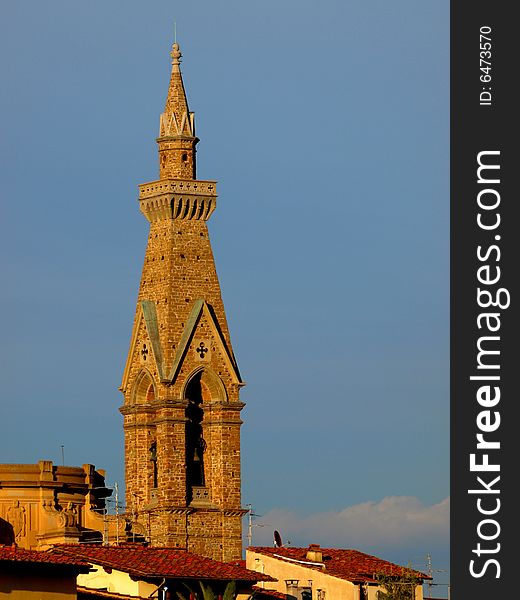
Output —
(239, 563)
(261, 593)
(351, 565)
(160, 562)
(84, 591)
(14, 554)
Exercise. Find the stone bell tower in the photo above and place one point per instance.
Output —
(181, 382)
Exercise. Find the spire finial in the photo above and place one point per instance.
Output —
(176, 56)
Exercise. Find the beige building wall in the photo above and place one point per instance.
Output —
(115, 581)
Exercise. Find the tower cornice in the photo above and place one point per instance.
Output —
(184, 199)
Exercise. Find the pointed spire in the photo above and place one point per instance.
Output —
(176, 119)
(177, 138)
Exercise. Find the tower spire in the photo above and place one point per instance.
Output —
(177, 128)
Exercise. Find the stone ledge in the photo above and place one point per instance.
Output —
(193, 187)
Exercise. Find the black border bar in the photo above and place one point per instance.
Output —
(485, 252)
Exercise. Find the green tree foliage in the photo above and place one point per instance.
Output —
(401, 587)
(206, 592)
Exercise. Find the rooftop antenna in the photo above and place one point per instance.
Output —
(430, 573)
(62, 455)
(116, 488)
(250, 524)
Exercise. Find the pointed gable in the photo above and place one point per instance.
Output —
(145, 343)
(209, 341)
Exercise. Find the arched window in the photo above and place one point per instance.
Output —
(202, 388)
(196, 393)
(144, 389)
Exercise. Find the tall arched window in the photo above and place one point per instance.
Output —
(196, 392)
(203, 388)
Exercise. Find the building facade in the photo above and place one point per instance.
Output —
(43, 504)
(329, 573)
(181, 382)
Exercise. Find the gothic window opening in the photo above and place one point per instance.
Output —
(195, 443)
(153, 460)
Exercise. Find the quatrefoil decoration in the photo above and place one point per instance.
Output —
(202, 350)
(144, 352)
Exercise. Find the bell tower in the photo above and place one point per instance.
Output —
(181, 382)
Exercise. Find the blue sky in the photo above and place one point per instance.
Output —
(327, 127)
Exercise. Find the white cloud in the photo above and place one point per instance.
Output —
(395, 522)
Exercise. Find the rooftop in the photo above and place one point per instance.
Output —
(143, 561)
(13, 554)
(84, 592)
(262, 593)
(351, 565)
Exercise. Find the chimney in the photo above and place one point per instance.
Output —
(314, 553)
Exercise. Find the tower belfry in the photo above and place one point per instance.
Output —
(181, 382)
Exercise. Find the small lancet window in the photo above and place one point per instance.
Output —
(153, 460)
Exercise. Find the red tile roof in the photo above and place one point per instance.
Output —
(261, 593)
(240, 563)
(19, 555)
(351, 565)
(84, 591)
(143, 561)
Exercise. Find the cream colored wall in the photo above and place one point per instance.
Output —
(116, 581)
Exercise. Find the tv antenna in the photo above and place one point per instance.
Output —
(431, 571)
(250, 524)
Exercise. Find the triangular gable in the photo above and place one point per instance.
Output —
(199, 308)
(152, 327)
(148, 314)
